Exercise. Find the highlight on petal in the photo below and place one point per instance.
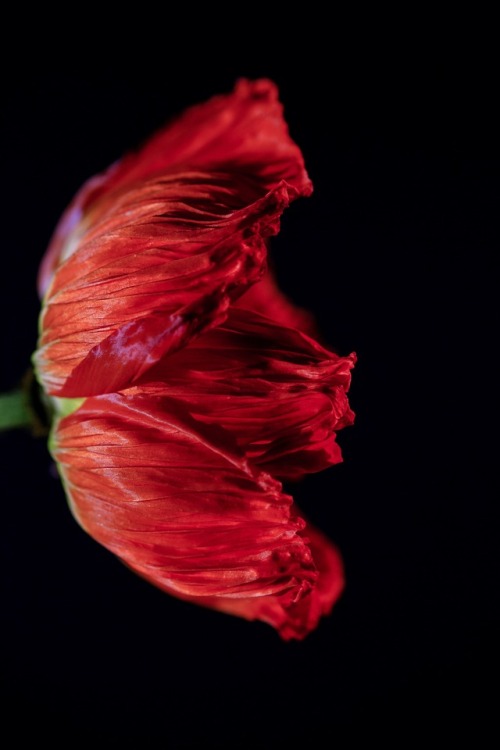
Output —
(160, 268)
(152, 252)
(280, 394)
(177, 502)
(297, 619)
(243, 132)
(185, 385)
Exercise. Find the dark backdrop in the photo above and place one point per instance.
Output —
(393, 253)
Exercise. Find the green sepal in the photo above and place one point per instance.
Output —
(14, 410)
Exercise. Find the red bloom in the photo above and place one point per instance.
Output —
(194, 397)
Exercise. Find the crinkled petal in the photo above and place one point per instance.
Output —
(297, 619)
(177, 503)
(152, 252)
(160, 266)
(266, 298)
(279, 393)
(243, 131)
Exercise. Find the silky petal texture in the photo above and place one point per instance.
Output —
(280, 394)
(159, 269)
(188, 386)
(190, 211)
(298, 619)
(244, 129)
(178, 503)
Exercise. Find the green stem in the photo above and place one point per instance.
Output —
(14, 410)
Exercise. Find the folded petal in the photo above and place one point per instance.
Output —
(159, 266)
(151, 252)
(266, 298)
(279, 393)
(245, 129)
(176, 502)
(294, 620)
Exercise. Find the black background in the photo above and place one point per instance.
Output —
(394, 254)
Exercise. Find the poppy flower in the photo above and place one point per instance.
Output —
(186, 388)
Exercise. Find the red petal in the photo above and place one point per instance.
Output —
(266, 298)
(297, 619)
(279, 393)
(158, 267)
(243, 131)
(179, 506)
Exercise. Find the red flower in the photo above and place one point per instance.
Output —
(187, 398)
